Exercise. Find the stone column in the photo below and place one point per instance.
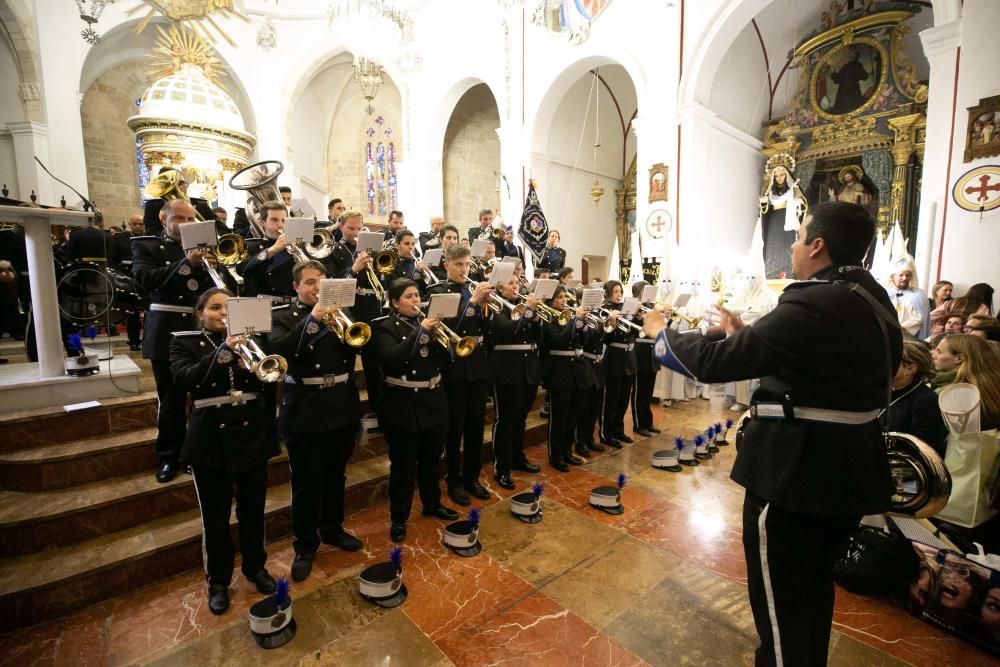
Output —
(31, 139)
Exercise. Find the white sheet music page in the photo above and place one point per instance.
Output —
(246, 313)
(444, 305)
(337, 292)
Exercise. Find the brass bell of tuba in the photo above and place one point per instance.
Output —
(260, 182)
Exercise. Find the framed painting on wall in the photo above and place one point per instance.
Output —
(658, 182)
(982, 137)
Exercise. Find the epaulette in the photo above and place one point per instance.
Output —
(280, 306)
(382, 317)
(187, 333)
(143, 238)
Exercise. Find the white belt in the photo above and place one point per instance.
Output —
(364, 291)
(228, 399)
(622, 346)
(414, 384)
(596, 358)
(325, 381)
(521, 347)
(775, 410)
(166, 307)
(566, 353)
(647, 341)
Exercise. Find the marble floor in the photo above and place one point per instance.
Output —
(663, 584)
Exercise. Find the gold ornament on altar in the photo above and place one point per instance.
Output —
(177, 47)
(195, 14)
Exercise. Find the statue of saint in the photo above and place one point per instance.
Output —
(852, 189)
(781, 209)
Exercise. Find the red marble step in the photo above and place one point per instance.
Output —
(48, 584)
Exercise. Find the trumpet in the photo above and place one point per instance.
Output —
(623, 325)
(230, 250)
(355, 334)
(597, 322)
(464, 345)
(693, 322)
(267, 367)
(548, 313)
(499, 303)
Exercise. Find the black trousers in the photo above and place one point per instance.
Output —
(590, 410)
(789, 560)
(133, 327)
(564, 416)
(413, 456)
(373, 375)
(512, 403)
(171, 420)
(616, 393)
(215, 497)
(641, 397)
(467, 415)
(318, 462)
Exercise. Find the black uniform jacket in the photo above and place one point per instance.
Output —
(120, 252)
(517, 367)
(561, 371)
(161, 270)
(312, 351)
(340, 264)
(820, 347)
(469, 322)
(268, 275)
(508, 249)
(405, 351)
(552, 260)
(645, 362)
(428, 240)
(407, 268)
(88, 243)
(234, 437)
(593, 352)
(915, 411)
(619, 361)
(151, 214)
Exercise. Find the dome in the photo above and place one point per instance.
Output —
(188, 96)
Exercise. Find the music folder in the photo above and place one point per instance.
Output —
(299, 230)
(444, 306)
(198, 235)
(248, 313)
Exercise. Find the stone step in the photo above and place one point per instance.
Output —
(60, 580)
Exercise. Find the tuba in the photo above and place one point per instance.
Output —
(166, 186)
(921, 484)
(260, 182)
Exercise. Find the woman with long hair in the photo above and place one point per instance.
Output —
(967, 358)
(620, 369)
(978, 300)
(231, 435)
(914, 407)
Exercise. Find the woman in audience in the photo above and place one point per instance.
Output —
(940, 293)
(914, 408)
(983, 326)
(977, 301)
(965, 358)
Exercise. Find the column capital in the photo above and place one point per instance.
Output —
(29, 91)
(26, 127)
(941, 38)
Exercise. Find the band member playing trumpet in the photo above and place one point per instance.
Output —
(318, 418)
(591, 392)
(269, 271)
(645, 378)
(229, 440)
(516, 372)
(173, 279)
(483, 230)
(619, 369)
(413, 408)
(347, 262)
(409, 265)
(432, 239)
(566, 376)
(467, 380)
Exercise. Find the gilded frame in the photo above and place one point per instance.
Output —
(974, 150)
(659, 193)
(883, 76)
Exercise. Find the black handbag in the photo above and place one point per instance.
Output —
(876, 562)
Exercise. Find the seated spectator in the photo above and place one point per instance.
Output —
(977, 301)
(966, 358)
(914, 408)
(954, 324)
(984, 327)
(940, 293)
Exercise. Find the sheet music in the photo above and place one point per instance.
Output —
(682, 300)
(544, 288)
(444, 305)
(300, 208)
(370, 241)
(299, 230)
(592, 298)
(248, 313)
(198, 235)
(649, 294)
(630, 305)
(433, 256)
(511, 259)
(337, 292)
(502, 271)
(479, 247)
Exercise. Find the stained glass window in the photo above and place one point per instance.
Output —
(380, 169)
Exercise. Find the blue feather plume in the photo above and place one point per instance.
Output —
(710, 432)
(474, 517)
(396, 558)
(73, 342)
(699, 439)
(537, 489)
(90, 332)
(679, 442)
(718, 427)
(281, 588)
(621, 480)
(729, 423)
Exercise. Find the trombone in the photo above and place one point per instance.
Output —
(499, 303)
(355, 334)
(464, 345)
(267, 367)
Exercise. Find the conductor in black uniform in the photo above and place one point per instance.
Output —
(228, 443)
(413, 408)
(319, 417)
(467, 380)
(173, 279)
(812, 459)
(553, 257)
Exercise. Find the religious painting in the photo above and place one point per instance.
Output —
(570, 17)
(658, 182)
(982, 138)
(847, 79)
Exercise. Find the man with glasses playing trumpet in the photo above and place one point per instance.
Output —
(467, 379)
(319, 415)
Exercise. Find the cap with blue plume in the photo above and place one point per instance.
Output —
(699, 440)
(621, 480)
(396, 558)
(281, 589)
(474, 518)
(537, 488)
(90, 332)
(74, 343)
(679, 443)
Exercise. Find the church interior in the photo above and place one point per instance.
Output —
(679, 145)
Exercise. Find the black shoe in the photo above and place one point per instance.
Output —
(263, 581)
(559, 465)
(624, 438)
(645, 432)
(442, 512)
(344, 542)
(478, 490)
(526, 466)
(302, 566)
(654, 429)
(595, 447)
(611, 442)
(505, 481)
(582, 451)
(458, 494)
(166, 472)
(134, 347)
(575, 460)
(397, 532)
(218, 599)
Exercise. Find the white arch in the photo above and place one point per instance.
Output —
(442, 112)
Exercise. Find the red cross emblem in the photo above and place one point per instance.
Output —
(658, 223)
(978, 189)
(984, 188)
